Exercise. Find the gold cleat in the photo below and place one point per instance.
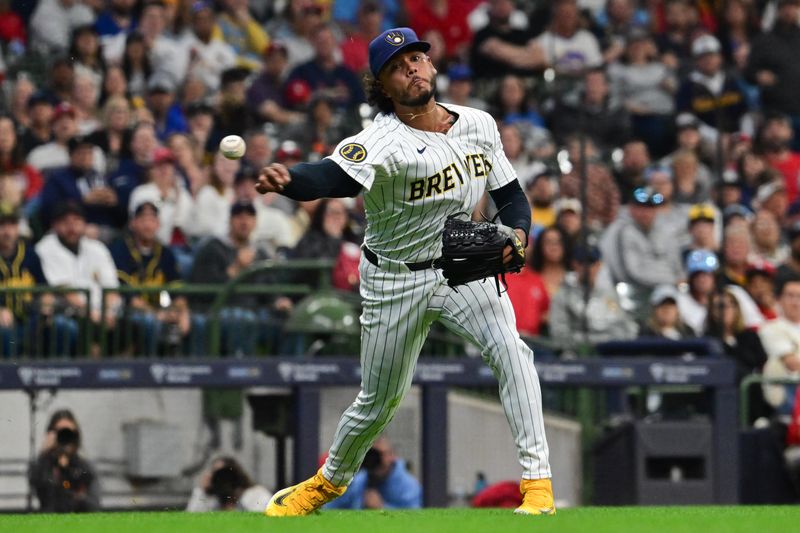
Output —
(537, 497)
(304, 498)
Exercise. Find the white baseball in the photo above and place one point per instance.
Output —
(232, 147)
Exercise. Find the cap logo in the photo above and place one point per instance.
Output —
(353, 152)
(395, 38)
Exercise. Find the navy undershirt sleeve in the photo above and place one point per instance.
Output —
(322, 179)
(518, 213)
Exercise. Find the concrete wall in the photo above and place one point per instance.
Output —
(479, 440)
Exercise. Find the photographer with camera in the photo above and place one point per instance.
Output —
(64, 481)
(227, 487)
(383, 482)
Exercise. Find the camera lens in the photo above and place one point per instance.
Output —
(66, 436)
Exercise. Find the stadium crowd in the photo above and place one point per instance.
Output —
(680, 117)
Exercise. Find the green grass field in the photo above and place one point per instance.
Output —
(588, 519)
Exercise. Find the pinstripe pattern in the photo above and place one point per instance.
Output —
(404, 225)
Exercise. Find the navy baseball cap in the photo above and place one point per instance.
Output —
(387, 44)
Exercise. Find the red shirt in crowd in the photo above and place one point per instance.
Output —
(789, 166)
(452, 25)
(530, 300)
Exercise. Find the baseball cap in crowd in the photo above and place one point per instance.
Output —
(288, 150)
(297, 92)
(736, 210)
(760, 267)
(767, 190)
(63, 109)
(731, 178)
(700, 212)
(79, 141)
(161, 82)
(646, 196)
(663, 294)
(276, 47)
(162, 155)
(391, 42)
(459, 72)
(9, 212)
(143, 206)
(567, 204)
(588, 253)
(687, 120)
(242, 206)
(705, 44)
(68, 207)
(39, 98)
(701, 261)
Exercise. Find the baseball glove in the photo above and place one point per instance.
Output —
(474, 250)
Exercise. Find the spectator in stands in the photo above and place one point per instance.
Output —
(739, 26)
(64, 481)
(781, 340)
(503, 47)
(568, 217)
(322, 129)
(790, 267)
(136, 63)
(80, 182)
(593, 111)
(665, 320)
(233, 116)
(513, 105)
(671, 216)
(602, 194)
(265, 94)
(221, 259)
(369, 23)
(53, 22)
(737, 245)
(84, 101)
(766, 234)
(39, 130)
(166, 53)
(749, 166)
(132, 170)
(209, 55)
(242, 32)
(114, 84)
(674, 42)
(528, 293)
(729, 190)
(173, 202)
(774, 141)
(541, 191)
(161, 102)
(111, 138)
(188, 161)
(761, 287)
(21, 90)
(618, 25)
(567, 47)
(726, 323)
(773, 64)
(259, 150)
(710, 93)
(701, 267)
(54, 154)
(688, 137)
(702, 228)
(630, 174)
(24, 180)
(60, 79)
(449, 19)
(20, 267)
(511, 137)
(772, 196)
(273, 232)
(117, 17)
(84, 49)
(383, 482)
(324, 76)
(645, 86)
(213, 201)
(643, 256)
(159, 322)
(225, 486)
(604, 317)
(551, 258)
(296, 28)
(692, 186)
(71, 259)
(459, 88)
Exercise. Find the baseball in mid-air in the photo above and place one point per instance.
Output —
(232, 147)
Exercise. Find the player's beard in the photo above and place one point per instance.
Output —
(421, 99)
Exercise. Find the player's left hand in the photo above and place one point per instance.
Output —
(509, 251)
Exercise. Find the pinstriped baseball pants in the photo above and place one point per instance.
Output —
(399, 308)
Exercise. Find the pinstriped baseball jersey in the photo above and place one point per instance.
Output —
(415, 179)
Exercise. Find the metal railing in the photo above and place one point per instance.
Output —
(757, 379)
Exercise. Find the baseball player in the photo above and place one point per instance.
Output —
(416, 164)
